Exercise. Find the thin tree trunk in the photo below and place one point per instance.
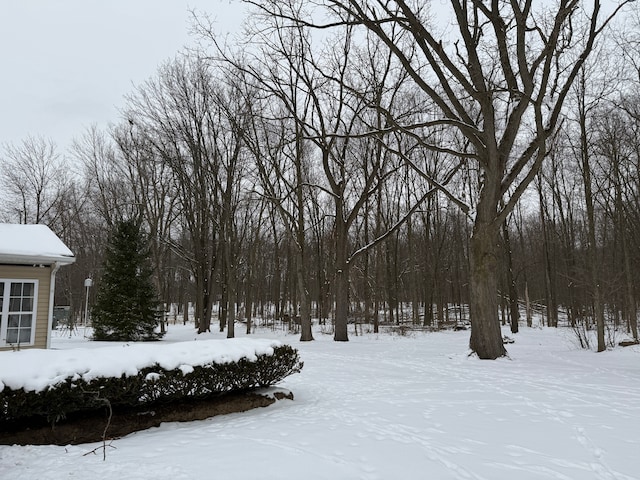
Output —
(389, 284)
(552, 310)
(341, 286)
(248, 307)
(632, 317)
(185, 313)
(511, 282)
(527, 304)
(630, 301)
(306, 333)
(224, 302)
(231, 310)
(598, 311)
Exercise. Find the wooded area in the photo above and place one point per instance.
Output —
(371, 162)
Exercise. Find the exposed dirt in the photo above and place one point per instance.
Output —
(90, 426)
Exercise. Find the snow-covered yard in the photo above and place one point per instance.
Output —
(391, 407)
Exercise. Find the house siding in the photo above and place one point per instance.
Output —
(43, 275)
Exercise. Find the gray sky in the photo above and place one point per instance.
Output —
(66, 64)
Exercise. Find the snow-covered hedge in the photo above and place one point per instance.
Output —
(53, 384)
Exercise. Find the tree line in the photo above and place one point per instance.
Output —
(364, 162)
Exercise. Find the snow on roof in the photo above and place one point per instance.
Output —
(32, 244)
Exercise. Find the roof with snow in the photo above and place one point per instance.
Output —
(37, 244)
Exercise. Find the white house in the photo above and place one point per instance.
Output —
(30, 256)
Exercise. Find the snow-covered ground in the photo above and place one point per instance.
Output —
(392, 407)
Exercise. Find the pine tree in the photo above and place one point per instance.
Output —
(126, 308)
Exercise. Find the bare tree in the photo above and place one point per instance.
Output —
(107, 190)
(175, 112)
(317, 113)
(35, 178)
(585, 154)
(232, 120)
(499, 79)
(281, 151)
(615, 143)
(149, 180)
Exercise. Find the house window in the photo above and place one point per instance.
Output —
(17, 311)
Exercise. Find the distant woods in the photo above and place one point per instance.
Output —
(370, 173)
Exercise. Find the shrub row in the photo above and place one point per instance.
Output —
(150, 386)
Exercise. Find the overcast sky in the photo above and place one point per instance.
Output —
(66, 64)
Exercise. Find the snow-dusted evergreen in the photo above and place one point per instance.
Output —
(126, 307)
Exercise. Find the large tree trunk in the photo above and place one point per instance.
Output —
(486, 337)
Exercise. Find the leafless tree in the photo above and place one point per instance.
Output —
(149, 180)
(35, 178)
(107, 190)
(175, 113)
(325, 128)
(499, 78)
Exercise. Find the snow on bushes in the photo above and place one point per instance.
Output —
(54, 383)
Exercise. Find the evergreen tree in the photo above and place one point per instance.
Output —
(126, 308)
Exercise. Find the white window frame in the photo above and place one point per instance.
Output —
(4, 310)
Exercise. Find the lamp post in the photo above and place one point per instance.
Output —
(87, 283)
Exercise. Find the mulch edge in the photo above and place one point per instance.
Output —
(90, 426)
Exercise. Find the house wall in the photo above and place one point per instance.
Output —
(43, 275)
